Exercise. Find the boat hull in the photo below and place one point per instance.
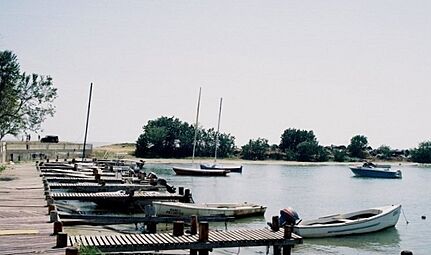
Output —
(237, 210)
(199, 172)
(376, 172)
(236, 169)
(342, 225)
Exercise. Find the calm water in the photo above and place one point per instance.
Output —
(317, 191)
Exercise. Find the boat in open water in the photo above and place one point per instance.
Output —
(199, 172)
(359, 222)
(369, 169)
(236, 210)
(231, 168)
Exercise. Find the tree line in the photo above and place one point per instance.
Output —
(169, 137)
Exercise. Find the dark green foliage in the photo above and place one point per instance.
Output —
(291, 138)
(384, 152)
(25, 100)
(169, 137)
(340, 155)
(357, 147)
(255, 149)
(302, 145)
(422, 154)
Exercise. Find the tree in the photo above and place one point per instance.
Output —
(384, 152)
(422, 154)
(255, 149)
(292, 137)
(302, 145)
(165, 137)
(169, 137)
(357, 146)
(25, 100)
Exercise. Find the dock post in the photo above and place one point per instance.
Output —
(53, 216)
(178, 228)
(180, 190)
(61, 240)
(72, 251)
(152, 227)
(194, 225)
(58, 227)
(51, 208)
(203, 235)
(275, 223)
(49, 200)
(277, 250)
(287, 249)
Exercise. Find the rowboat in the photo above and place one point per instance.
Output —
(237, 210)
(376, 171)
(237, 169)
(199, 172)
(360, 222)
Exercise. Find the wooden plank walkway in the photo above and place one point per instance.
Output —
(24, 220)
(94, 187)
(117, 196)
(167, 241)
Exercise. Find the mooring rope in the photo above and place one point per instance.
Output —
(405, 218)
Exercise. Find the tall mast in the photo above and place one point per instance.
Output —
(196, 125)
(218, 129)
(86, 124)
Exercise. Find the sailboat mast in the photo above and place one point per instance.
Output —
(86, 124)
(218, 129)
(196, 125)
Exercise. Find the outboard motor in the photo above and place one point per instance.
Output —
(288, 216)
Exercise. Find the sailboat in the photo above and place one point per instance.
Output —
(215, 166)
(197, 171)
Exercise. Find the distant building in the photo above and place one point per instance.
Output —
(16, 151)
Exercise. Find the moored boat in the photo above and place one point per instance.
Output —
(377, 171)
(359, 222)
(237, 210)
(200, 172)
(236, 169)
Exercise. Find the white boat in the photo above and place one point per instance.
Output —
(360, 222)
(236, 210)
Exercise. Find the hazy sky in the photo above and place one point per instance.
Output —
(339, 68)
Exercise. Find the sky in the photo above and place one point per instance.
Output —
(339, 68)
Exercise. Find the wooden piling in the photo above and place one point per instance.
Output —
(287, 249)
(53, 216)
(194, 225)
(152, 227)
(181, 190)
(203, 231)
(61, 240)
(58, 227)
(72, 251)
(51, 208)
(178, 228)
(275, 223)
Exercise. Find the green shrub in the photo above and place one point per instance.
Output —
(2, 168)
(89, 250)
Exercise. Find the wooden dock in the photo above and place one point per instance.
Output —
(95, 187)
(169, 241)
(24, 222)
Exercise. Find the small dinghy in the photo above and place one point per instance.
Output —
(236, 210)
(360, 222)
(200, 172)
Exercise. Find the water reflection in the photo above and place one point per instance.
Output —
(385, 241)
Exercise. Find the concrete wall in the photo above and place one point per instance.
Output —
(31, 151)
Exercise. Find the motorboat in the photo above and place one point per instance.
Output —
(369, 169)
(359, 222)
